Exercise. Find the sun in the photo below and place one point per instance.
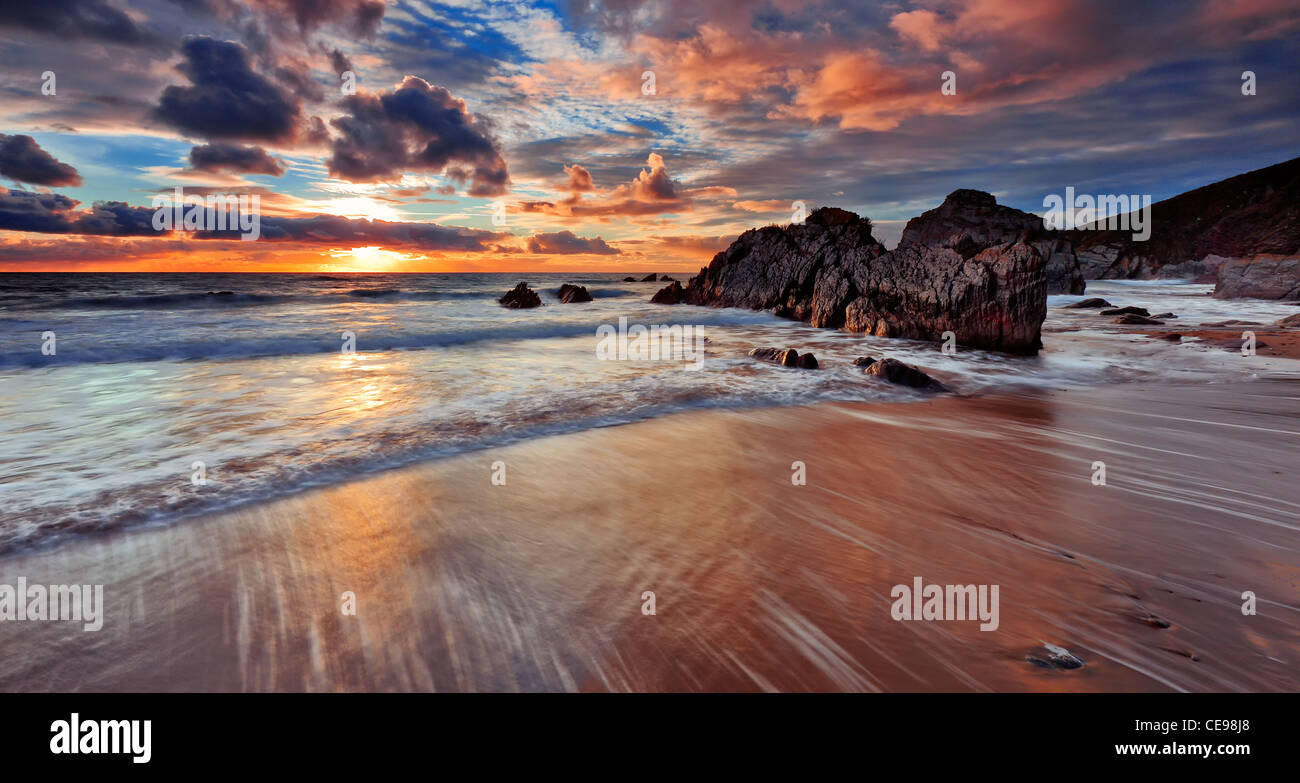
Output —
(370, 258)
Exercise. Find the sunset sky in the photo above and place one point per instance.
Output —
(544, 107)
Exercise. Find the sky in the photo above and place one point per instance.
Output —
(611, 135)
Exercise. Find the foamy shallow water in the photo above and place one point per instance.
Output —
(153, 374)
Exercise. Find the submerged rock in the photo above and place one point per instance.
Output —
(1054, 657)
(570, 294)
(895, 371)
(521, 296)
(1136, 319)
(1126, 311)
(787, 358)
(1089, 303)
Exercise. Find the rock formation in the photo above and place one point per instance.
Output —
(831, 272)
(521, 296)
(1262, 277)
(570, 294)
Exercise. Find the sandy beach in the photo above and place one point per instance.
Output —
(759, 584)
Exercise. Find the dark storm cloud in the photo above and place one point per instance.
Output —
(53, 213)
(416, 127)
(567, 243)
(231, 157)
(73, 19)
(22, 159)
(226, 98)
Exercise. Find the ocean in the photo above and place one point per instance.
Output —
(162, 396)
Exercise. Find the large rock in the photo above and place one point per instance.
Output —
(669, 294)
(831, 272)
(971, 220)
(521, 296)
(1262, 277)
(570, 294)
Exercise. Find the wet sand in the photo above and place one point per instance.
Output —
(759, 584)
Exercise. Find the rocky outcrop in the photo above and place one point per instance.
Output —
(894, 371)
(787, 358)
(1195, 233)
(650, 278)
(831, 272)
(570, 294)
(521, 296)
(971, 220)
(1262, 277)
(670, 294)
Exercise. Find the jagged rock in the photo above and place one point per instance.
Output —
(863, 361)
(895, 371)
(1136, 319)
(1126, 311)
(787, 358)
(521, 296)
(570, 294)
(1089, 303)
(650, 278)
(831, 272)
(1262, 277)
(969, 221)
(670, 294)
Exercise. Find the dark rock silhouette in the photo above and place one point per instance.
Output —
(521, 296)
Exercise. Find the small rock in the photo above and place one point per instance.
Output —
(629, 280)
(650, 278)
(570, 294)
(1055, 658)
(1136, 319)
(1126, 311)
(1173, 337)
(787, 358)
(863, 361)
(1087, 303)
(1164, 315)
(669, 294)
(521, 296)
(895, 371)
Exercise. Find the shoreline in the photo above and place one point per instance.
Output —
(759, 584)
